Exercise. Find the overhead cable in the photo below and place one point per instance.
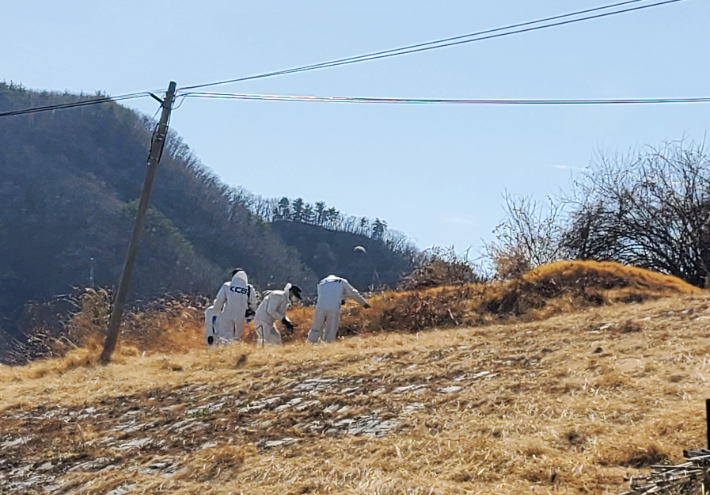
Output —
(81, 103)
(444, 101)
(457, 40)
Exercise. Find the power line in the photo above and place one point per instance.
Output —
(457, 40)
(82, 103)
(444, 101)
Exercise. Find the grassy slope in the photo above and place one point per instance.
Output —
(568, 405)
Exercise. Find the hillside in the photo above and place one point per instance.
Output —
(70, 180)
(326, 251)
(574, 403)
(69, 183)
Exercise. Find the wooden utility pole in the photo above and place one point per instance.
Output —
(156, 150)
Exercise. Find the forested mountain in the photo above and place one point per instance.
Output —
(69, 182)
(327, 252)
(325, 239)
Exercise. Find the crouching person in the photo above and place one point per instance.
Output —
(272, 309)
(210, 325)
(225, 319)
(332, 292)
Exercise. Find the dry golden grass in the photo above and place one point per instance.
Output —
(574, 403)
(609, 274)
(175, 325)
(548, 290)
(170, 324)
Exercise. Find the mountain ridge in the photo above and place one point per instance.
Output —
(69, 180)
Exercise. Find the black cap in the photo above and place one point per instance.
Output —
(234, 272)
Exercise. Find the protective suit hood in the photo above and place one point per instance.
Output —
(293, 293)
(240, 279)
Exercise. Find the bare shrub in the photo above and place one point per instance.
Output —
(438, 267)
(54, 328)
(528, 237)
(650, 210)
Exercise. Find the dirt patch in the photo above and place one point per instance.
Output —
(149, 432)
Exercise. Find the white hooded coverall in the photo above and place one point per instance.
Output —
(210, 325)
(331, 291)
(272, 309)
(231, 305)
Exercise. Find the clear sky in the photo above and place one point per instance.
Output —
(436, 173)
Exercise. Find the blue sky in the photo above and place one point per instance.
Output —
(436, 173)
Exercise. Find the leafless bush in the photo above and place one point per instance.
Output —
(442, 266)
(528, 237)
(53, 328)
(44, 327)
(651, 210)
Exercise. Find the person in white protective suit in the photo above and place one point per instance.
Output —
(332, 292)
(272, 309)
(210, 325)
(234, 304)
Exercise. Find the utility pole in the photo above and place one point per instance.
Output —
(156, 150)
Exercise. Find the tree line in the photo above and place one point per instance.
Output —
(319, 214)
